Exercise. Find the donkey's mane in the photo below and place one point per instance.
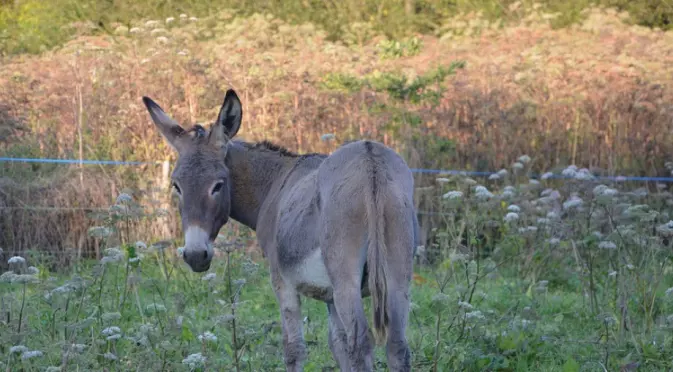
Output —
(270, 146)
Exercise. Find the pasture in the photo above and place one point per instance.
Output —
(539, 257)
(579, 283)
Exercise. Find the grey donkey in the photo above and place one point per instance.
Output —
(335, 228)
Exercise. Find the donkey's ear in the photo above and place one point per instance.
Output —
(228, 121)
(168, 127)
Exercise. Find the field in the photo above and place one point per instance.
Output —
(561, 281)
(552, 262)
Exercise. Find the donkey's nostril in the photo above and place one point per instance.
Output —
(205, 255)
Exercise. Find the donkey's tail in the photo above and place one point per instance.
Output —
(376, 260)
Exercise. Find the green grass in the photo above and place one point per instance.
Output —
(168, 307)
(501, 288)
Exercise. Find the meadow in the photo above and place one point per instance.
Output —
(553, 262)
(567, 274)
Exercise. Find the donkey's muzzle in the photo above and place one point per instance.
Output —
(198, 251)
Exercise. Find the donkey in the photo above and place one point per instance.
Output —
(335, 228)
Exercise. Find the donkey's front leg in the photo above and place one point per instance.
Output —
(294, 347)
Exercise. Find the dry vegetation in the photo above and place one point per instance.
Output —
(594, 94)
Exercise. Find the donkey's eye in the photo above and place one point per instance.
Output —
(177, 188)
(217, 188)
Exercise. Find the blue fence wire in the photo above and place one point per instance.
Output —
(442, 172)
(447, 172)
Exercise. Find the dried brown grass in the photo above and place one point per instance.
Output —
(596, 95)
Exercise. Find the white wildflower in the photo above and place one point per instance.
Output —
(183, 16)
(114, 337)
(525, 159)
(66, 288)
(135, 30)
(162, 39)
(442, 180)
(669, 292)
(465, 305)
(18, 349)
(31, 354)
(533, 182)
(170, 20)
(207, 337)
(666, 229)
(511, 217)
(573, 202)
(151, 23)
(123, 198)
(630, 266)
(194, 360)
(32, 270)
(476, 314)
(517, 166)
(494, 177)
(469, 181)
(606, 244)
(183, 53)
(108, 317)
(543, 221)
(208, 277)
(23, 278)
(527, 229)
(110, 356)
(78, 348)
(457, 257)
(158, 31)
(503, 172)
(158, 308)
(612, 274)
(597, 234)
(584, 175)
(53, 369)
(109, 331)
(569, 172)
(8, 277)
(16, 260)
(193, 19)
(514, 208)
(552, 215)
(453, 195)
(482, 192)
(553, 241)
(134, 259)
(99, 232)
(140, 245)
(547, 176)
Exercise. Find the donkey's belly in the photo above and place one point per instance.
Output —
(310, 277)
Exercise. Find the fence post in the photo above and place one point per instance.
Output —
(165, 168)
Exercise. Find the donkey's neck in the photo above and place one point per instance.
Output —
(253, 172)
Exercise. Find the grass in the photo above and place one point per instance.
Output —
(521, 275)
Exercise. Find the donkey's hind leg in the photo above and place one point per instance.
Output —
(337, 339)
(400, 247)
(344, 259)
(294, 347)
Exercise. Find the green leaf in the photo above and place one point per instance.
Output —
(187, 334)
(571, 365)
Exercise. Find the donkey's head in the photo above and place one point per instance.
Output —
(200, 177)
